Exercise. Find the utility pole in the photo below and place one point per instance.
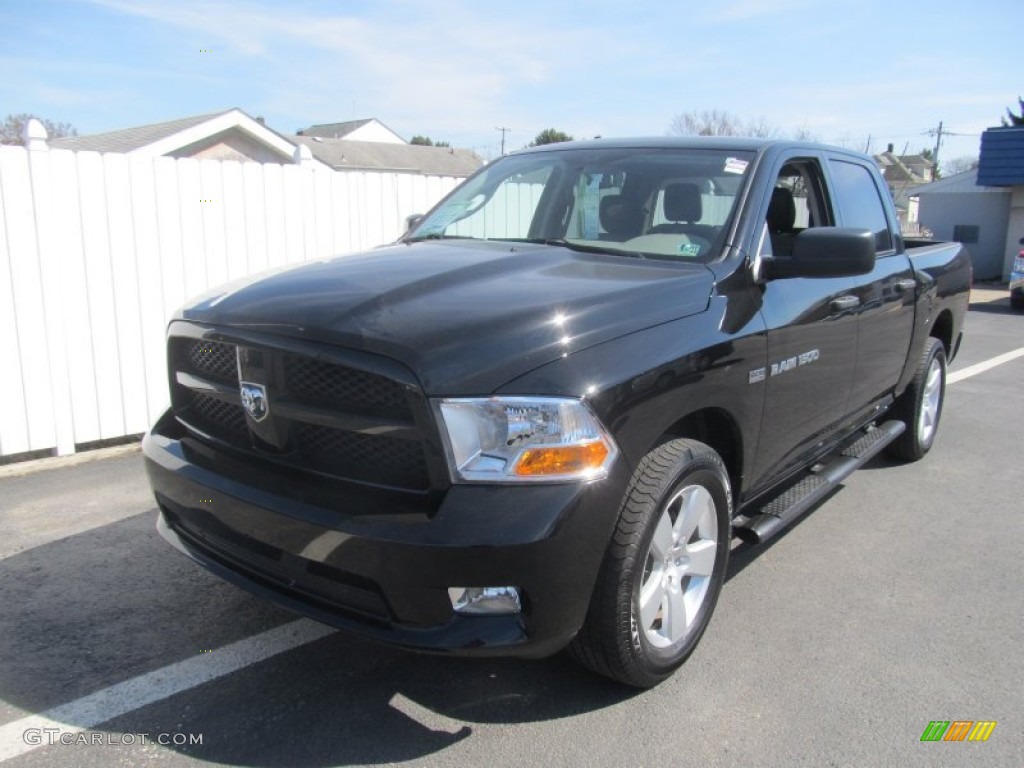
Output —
(939, 133)
(503, 132)
(938, 143)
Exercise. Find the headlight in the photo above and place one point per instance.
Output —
(522, 439)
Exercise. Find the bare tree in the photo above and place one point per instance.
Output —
(959, 165)
(846, 141)
(718, 122)
(12, 127)
(803, 133)
(761, 129)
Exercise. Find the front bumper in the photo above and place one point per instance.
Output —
(385, 573)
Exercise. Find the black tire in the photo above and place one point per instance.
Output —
(917, 408)
(614, 641)
(1017, 301)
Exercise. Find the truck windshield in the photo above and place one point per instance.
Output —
(654, 203)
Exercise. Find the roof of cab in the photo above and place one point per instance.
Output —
(736, 143)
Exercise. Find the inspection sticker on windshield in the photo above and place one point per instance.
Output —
(689, 249)
(735, 165)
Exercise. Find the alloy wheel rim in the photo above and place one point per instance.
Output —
(931, 399)
(678, 567)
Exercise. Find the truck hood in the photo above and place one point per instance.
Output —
(466, 316)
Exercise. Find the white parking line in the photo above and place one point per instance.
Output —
(108, 703)
(432, 721)
(983, 366)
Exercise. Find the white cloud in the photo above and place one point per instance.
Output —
(451, 66)
(455, 69)
(745, 10)
(234, 25)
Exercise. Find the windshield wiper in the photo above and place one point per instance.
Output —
(584, 248)
(434, 236)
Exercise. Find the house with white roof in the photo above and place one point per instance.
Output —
(356, 145)
(370, 129)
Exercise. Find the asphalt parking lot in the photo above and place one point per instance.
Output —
(896, 602)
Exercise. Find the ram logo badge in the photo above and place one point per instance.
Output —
(254, 400)
(759, 374)
(794, 362)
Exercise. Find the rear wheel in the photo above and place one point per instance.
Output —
(1017, 300)
(920, 406)
(663, 569)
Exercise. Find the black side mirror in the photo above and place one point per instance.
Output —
(413, 220)
(826, 252)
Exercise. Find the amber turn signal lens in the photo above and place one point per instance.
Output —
(562, 459)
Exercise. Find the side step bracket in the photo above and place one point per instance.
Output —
(778, 512)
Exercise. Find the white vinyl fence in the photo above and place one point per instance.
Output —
(96, 252)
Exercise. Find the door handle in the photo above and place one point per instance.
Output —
(844, 303)
(905, 285)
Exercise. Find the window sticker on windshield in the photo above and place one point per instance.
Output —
(689, 249)
(735, 165)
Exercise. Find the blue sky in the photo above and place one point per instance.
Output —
(456, 69)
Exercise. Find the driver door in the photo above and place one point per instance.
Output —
(811, 326)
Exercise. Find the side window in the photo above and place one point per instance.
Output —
(797, 203)
(859, 201)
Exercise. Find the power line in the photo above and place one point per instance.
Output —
(938, 133)
(904, 134)
(933, 131)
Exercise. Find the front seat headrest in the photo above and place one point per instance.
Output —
(781, 211)
(620, 217)
(683, 202)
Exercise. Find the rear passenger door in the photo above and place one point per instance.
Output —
(886, 296)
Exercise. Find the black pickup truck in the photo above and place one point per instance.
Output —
(538, 420)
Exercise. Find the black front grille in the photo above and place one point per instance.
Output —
(348, 389)
(315, 392)
(219, 418)
(212, 360)
(376, 459)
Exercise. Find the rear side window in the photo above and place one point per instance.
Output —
(859, 202)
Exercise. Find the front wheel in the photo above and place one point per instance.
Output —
(664, 567)
(920, 406)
